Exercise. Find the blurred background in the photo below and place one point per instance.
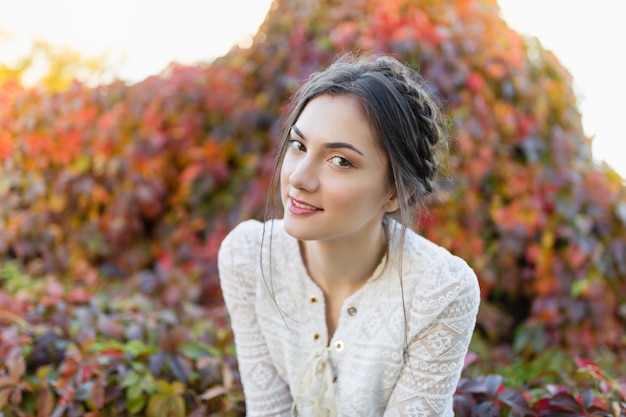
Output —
(117, 190)
(140, 38)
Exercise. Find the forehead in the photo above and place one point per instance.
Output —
(333, 118)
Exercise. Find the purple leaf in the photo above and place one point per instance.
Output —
(566, 402)
(515, 400)
(493, 383)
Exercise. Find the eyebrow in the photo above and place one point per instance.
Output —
(330, 145)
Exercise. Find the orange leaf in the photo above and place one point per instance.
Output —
(45, 403)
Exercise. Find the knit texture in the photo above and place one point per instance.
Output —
(279, 322)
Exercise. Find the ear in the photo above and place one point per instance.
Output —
(391, 204)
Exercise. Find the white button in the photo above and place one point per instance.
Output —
(338, 345)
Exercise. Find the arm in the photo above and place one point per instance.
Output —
(436, 354)
(266, 394)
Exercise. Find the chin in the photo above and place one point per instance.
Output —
(300, 231)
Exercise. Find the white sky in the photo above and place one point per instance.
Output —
(588, 38)
(586, 35)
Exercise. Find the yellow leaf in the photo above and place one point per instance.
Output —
(164, 405)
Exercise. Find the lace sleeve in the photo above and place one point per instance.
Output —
(436, 354)
(266, 394)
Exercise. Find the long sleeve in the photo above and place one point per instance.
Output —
(266, 394)
(436, 353)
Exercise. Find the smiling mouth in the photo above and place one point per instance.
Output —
(304, 206)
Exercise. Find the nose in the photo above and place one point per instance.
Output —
(304, 175)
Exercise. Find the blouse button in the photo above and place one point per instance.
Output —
(313, 300)
(352, 311)
(339, 346)
(316, 337)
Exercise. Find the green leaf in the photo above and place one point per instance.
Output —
(196, 350)
(132, 378)
(134, 391)
(136, 405)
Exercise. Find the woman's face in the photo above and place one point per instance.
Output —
(334, 177)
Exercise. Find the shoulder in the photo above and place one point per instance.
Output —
(440, 287)
(246, 240)
(244, 254)
(248, 232)
(436, 272)
(242, 243)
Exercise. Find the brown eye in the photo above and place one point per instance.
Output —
(340, 162)
(296, 145)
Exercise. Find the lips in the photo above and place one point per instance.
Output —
(299, 207)
(303, 205)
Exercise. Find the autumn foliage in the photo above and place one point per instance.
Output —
(114, 200)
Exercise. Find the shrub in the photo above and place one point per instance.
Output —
(71, 351)
(123, 180)
(576, 387)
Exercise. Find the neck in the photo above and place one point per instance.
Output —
(344, 264)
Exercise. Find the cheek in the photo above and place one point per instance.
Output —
(351, 192)
(366, 194)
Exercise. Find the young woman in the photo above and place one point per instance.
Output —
(339, 308)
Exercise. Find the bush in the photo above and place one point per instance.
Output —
(123, 180)
(70, 351)
(561, 387)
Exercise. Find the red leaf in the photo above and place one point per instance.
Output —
(78, 296)
(6, 146)
(190, 173)
(542, 404)
(475, 82)
(590, 367)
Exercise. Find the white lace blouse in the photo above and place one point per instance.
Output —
(375, 365)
